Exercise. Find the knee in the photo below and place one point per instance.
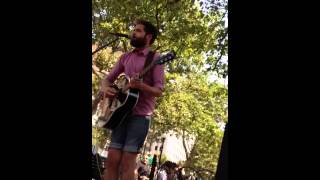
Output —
(112, 161)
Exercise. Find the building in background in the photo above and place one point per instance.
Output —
(173, 148)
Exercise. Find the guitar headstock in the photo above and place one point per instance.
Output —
(166, 58)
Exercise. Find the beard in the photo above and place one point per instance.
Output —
(138, 42)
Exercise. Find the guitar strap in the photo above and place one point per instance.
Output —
(149, 60)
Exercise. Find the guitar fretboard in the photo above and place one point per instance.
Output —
(145, 70)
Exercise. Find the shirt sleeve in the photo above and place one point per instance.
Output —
(158, 74)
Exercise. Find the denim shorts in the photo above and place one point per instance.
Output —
(130, 135)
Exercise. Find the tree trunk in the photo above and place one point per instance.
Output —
(191, 154)
(184, 144)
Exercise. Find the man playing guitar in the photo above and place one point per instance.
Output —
(128, 138)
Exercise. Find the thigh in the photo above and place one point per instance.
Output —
(118, 136)
(137, 131)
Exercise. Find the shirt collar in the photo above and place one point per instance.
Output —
(141, 52)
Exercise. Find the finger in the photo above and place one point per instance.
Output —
(110, 94)
(112, 90)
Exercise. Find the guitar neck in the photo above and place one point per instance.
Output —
(145, 70)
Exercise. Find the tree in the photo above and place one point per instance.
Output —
(197, 36)
(191, 106)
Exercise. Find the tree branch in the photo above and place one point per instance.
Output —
(157, 48)
(158, 25)
(216, 63)
(101, 47)
(220, 45)
(157, 17)
(125, 46)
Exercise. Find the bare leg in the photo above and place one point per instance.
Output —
(112, 164)
(128, 165)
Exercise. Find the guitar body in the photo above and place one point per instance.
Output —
(119, 115)
(117, 109)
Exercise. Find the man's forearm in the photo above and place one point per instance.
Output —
(152, 90)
